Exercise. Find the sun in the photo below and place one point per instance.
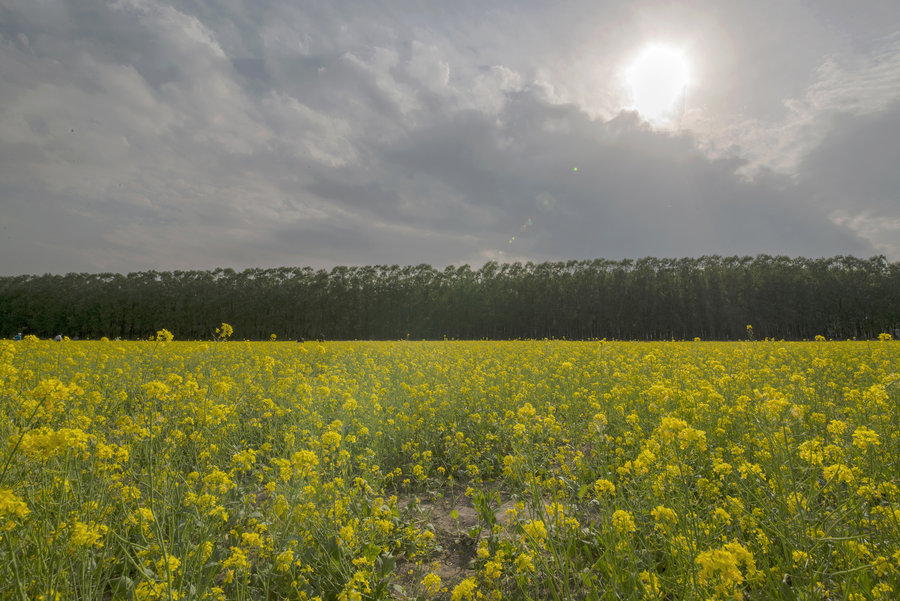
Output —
(657, 81)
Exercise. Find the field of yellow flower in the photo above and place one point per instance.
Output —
(451, 470)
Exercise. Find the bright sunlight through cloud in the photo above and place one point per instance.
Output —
(657, 80)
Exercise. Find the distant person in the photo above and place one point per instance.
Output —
(58, 338)
(18, 336)
(300, 339)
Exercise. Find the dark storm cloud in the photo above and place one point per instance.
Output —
(635, 191)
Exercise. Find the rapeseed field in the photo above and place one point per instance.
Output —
(449, 470)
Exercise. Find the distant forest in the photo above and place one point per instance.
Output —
(709, 297)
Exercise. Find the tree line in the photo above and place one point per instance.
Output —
(710, 297)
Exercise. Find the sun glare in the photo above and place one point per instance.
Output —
(657, 80)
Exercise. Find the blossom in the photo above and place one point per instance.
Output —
(603, 487)
(493, 570)
(331, 439)
(623, 522)
(170, 564)
(465, 590)
(838, 473)
(720, 568)
(12, 505)
(44, 443)
(524, 563)
(864, 438)
(665, 518)
(284, 560)
(431, 583)
(726, 568)
(836, 427)
(238, 560)
(86, 535)
(536, 530)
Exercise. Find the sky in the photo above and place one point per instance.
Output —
(142, 134)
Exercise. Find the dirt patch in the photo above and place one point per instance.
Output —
(452, 518)
(454, 513)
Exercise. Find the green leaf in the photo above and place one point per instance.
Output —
(119, 588)
(385, 565)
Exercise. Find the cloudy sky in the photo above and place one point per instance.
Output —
(143, 134)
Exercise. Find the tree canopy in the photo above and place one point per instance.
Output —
(710, 297)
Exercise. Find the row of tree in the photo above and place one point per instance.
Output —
(648, 299)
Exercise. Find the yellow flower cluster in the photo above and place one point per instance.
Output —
(725, 568)
(185, 470)
(623, 522)
(11, 506)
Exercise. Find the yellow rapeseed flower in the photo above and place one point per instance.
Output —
(623, 522)
(536, 530)
(431, 583)
(465, 590)
(665, 518)
(86, 535)
(12, 505)
(864, 438)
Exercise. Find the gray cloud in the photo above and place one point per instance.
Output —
(635, 191)
(855, 177)
(141, 134)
